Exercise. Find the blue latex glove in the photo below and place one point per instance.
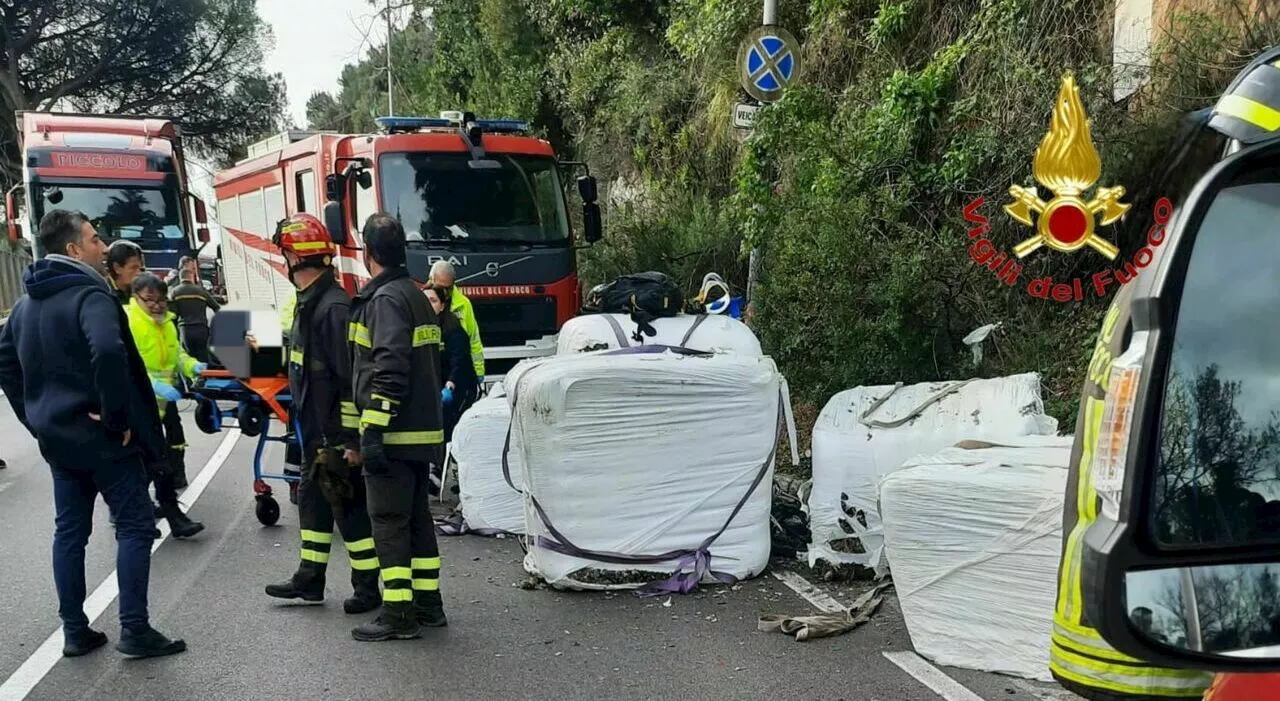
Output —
(201, 367)
(166, 391)
(446, 395)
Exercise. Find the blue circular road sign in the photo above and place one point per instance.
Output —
(768, 61)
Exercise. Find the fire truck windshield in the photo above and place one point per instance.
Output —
(150, 217)
(439, 197)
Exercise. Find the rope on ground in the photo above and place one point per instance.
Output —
(826, 625)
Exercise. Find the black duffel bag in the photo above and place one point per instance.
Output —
(645, 296)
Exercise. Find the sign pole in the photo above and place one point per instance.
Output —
(753, 263)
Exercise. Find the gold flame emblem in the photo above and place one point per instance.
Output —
(1067, 164)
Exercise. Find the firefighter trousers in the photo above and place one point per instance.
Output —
(404, 530)
(332, 494)
(171, 474)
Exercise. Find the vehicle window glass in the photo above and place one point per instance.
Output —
(306, 188)
(365, 204)
(1219, 474)
(139, 214)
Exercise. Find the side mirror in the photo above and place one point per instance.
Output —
(333, 188)
(591, 227)
(12, 217)
(335, 222)
(587, 189)
(202, 213)
(1181, 567)
(364, 178)
(202, 234)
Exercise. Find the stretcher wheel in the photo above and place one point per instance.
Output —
(267, 510)
(252, 420)
(208, 417)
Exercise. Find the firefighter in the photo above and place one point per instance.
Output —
(192, 303)
(444, 276)
(332, 489)
(395, 338)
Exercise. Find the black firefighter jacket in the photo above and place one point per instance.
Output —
(320, 366)
(395, 344)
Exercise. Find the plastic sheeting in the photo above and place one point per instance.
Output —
(975, 536)
(852, 453)
(646, 455)
(715, 334)
(487, 501)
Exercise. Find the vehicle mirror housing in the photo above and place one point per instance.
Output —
(592, 230)
(1181, 569)
(202, 212)
(587, 189)
(364, 178)
(202, 234)
(335, 222)
(333, 187)
(12, 216)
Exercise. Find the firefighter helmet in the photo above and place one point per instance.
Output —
(306, 238)
(1249, 109)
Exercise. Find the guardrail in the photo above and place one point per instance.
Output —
(12, 265)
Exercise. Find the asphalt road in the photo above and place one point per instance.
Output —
(502, 642)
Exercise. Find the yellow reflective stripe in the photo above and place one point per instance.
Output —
(315, 556)
(371, 417)
(1251, 111)
(310, 246)
(359, 334)
(426, 334)
(1145, 681)
(296, 357)
(1088, 641)
(387, 403)
(1070, 596)
(390, 573)
(412, 437)
(316, 537)
(357, 546)
(426, 585)
(350, 421)
(425, 563)
(397, 596)
(349, 408)
(364, 564)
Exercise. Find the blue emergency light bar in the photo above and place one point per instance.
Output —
(401, 125)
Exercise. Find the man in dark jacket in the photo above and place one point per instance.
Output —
(75, 380)
(395, 347)
(192, 303)
(320, 381)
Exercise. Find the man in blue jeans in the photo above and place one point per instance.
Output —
(75, 380)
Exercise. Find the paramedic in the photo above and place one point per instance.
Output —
(192, 303)
(395, 340)
(444, 276)
(94, 419)
(124, 263)
(156, 335)
(331, 489)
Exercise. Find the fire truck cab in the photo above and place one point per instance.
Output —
(484, 195)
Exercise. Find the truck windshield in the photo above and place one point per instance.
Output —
(146, 216)
(439, 197)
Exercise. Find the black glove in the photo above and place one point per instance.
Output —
(334, 475)
(371, 455)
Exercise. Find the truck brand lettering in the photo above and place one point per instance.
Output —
(453, 260)
(498, 290)
(100, 161)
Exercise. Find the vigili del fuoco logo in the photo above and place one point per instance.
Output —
(1067, 165)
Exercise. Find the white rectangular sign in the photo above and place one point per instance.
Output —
(744, 115)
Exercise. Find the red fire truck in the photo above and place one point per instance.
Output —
(126, 173)
(485, 195)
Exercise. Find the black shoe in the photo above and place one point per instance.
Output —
(179, 525)
(396, 622)
(151, 643)
(428, 609)
(289, 589)
(83, 643)
(362, 602)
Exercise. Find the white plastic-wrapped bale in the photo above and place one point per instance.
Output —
(866, 433)
(714, 334)
(634, 461)
(975, 535)
(487, 501)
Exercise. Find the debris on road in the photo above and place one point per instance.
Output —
(826, 625)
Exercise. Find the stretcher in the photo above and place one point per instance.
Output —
(257, 402)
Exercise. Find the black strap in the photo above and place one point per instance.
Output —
(689, 334)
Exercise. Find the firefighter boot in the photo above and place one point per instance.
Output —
(428, 609)
(367, 597)
(300, 586)
(179, 525)
(395, 622)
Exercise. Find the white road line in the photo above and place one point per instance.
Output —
(932, 677)
(41, 662)
(811, 593)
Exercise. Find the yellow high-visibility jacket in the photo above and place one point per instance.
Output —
(461, 308)
(158, 344)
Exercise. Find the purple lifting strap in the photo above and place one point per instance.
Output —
(697, 559)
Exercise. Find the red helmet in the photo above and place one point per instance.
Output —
(305, 237)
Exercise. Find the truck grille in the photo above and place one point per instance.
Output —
(512, 322)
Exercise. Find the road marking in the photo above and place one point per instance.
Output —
(932, 677)
(811, 593)
(41, 662)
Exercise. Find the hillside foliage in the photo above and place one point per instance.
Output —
(854, 184)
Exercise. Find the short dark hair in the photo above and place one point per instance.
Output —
(152, 282)
(384, 239)
(120, 253)
(61, 228)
